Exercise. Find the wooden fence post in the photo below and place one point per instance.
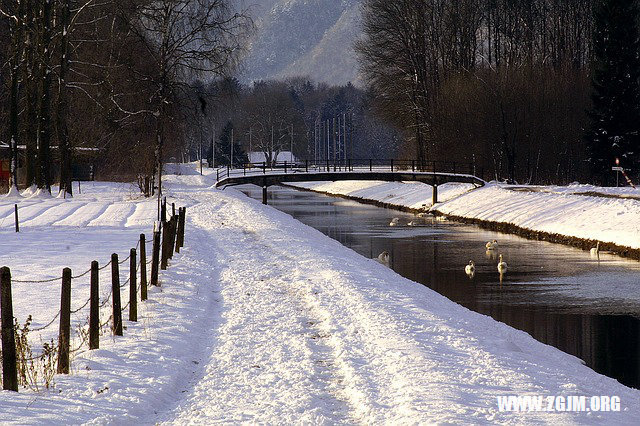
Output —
(115, 295)
(163, 210)
(179, 230)
(181, 223)
(155, 258)
(172, 236)
(170, 239)
(64, 336)
(94, 309)
(133, 287)
(143, 268)
(9, 361)
(15, 206)
(173, 209)
(165, 246)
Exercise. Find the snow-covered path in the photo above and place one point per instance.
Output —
(311, 332)
(262, 319)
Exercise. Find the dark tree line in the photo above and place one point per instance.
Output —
(113, 76)
(315, 122)
(505, 84)
(614, 133)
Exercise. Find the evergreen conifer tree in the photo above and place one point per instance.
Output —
(615, 114)
(223, 149)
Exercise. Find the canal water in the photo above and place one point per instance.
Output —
(588, 307)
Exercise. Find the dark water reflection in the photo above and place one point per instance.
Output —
(561, 296)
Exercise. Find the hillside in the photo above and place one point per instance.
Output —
(304, 37)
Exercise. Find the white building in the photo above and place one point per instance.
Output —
(259, 157)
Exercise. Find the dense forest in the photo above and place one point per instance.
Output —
(109, 77)
(314, 122)
(507, 84)
(539, 91)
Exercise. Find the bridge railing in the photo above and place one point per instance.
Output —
(360, 165)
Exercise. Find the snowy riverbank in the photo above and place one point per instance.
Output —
(262, 319)
(609, 215)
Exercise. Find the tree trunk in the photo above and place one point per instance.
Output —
(63, 107)
(31, 87)
(16, 49)
(44, 119)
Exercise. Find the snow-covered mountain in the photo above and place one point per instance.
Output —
(304, 38)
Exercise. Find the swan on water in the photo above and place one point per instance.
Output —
(470, 269)
(502, 266)
(492, 245)
(595, 251)
(394, 222)
(383, 258)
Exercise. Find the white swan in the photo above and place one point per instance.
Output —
(470, 269)
(595, 251)
(492, 245)
(394, 222)
(383, 258)
(414, 222)
(502, 266)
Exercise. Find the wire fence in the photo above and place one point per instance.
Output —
(163, 250)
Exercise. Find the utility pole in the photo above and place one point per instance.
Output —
(339, 150)
(250, 145)
(334, 140)
(213, 149)
(200, 154)
(231, 160)
(344, 134)
(328, 142)
(291, 153)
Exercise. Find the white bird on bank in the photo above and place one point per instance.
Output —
(470, 269)
(383, 258)
(502, 266)
(394, 222)
(595, 251)
(492, 245)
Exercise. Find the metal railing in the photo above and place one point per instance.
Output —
(359, 165)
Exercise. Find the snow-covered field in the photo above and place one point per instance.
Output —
(261, 319)
(605, 214)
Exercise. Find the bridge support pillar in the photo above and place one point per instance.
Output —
(264, 195)
(434, 199)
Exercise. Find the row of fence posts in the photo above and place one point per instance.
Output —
(172, 241)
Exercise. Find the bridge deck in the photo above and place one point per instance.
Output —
(276, 178)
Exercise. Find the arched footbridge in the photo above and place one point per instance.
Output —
(265, 177)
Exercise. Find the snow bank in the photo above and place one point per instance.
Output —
(261, 319)
(565, 212)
